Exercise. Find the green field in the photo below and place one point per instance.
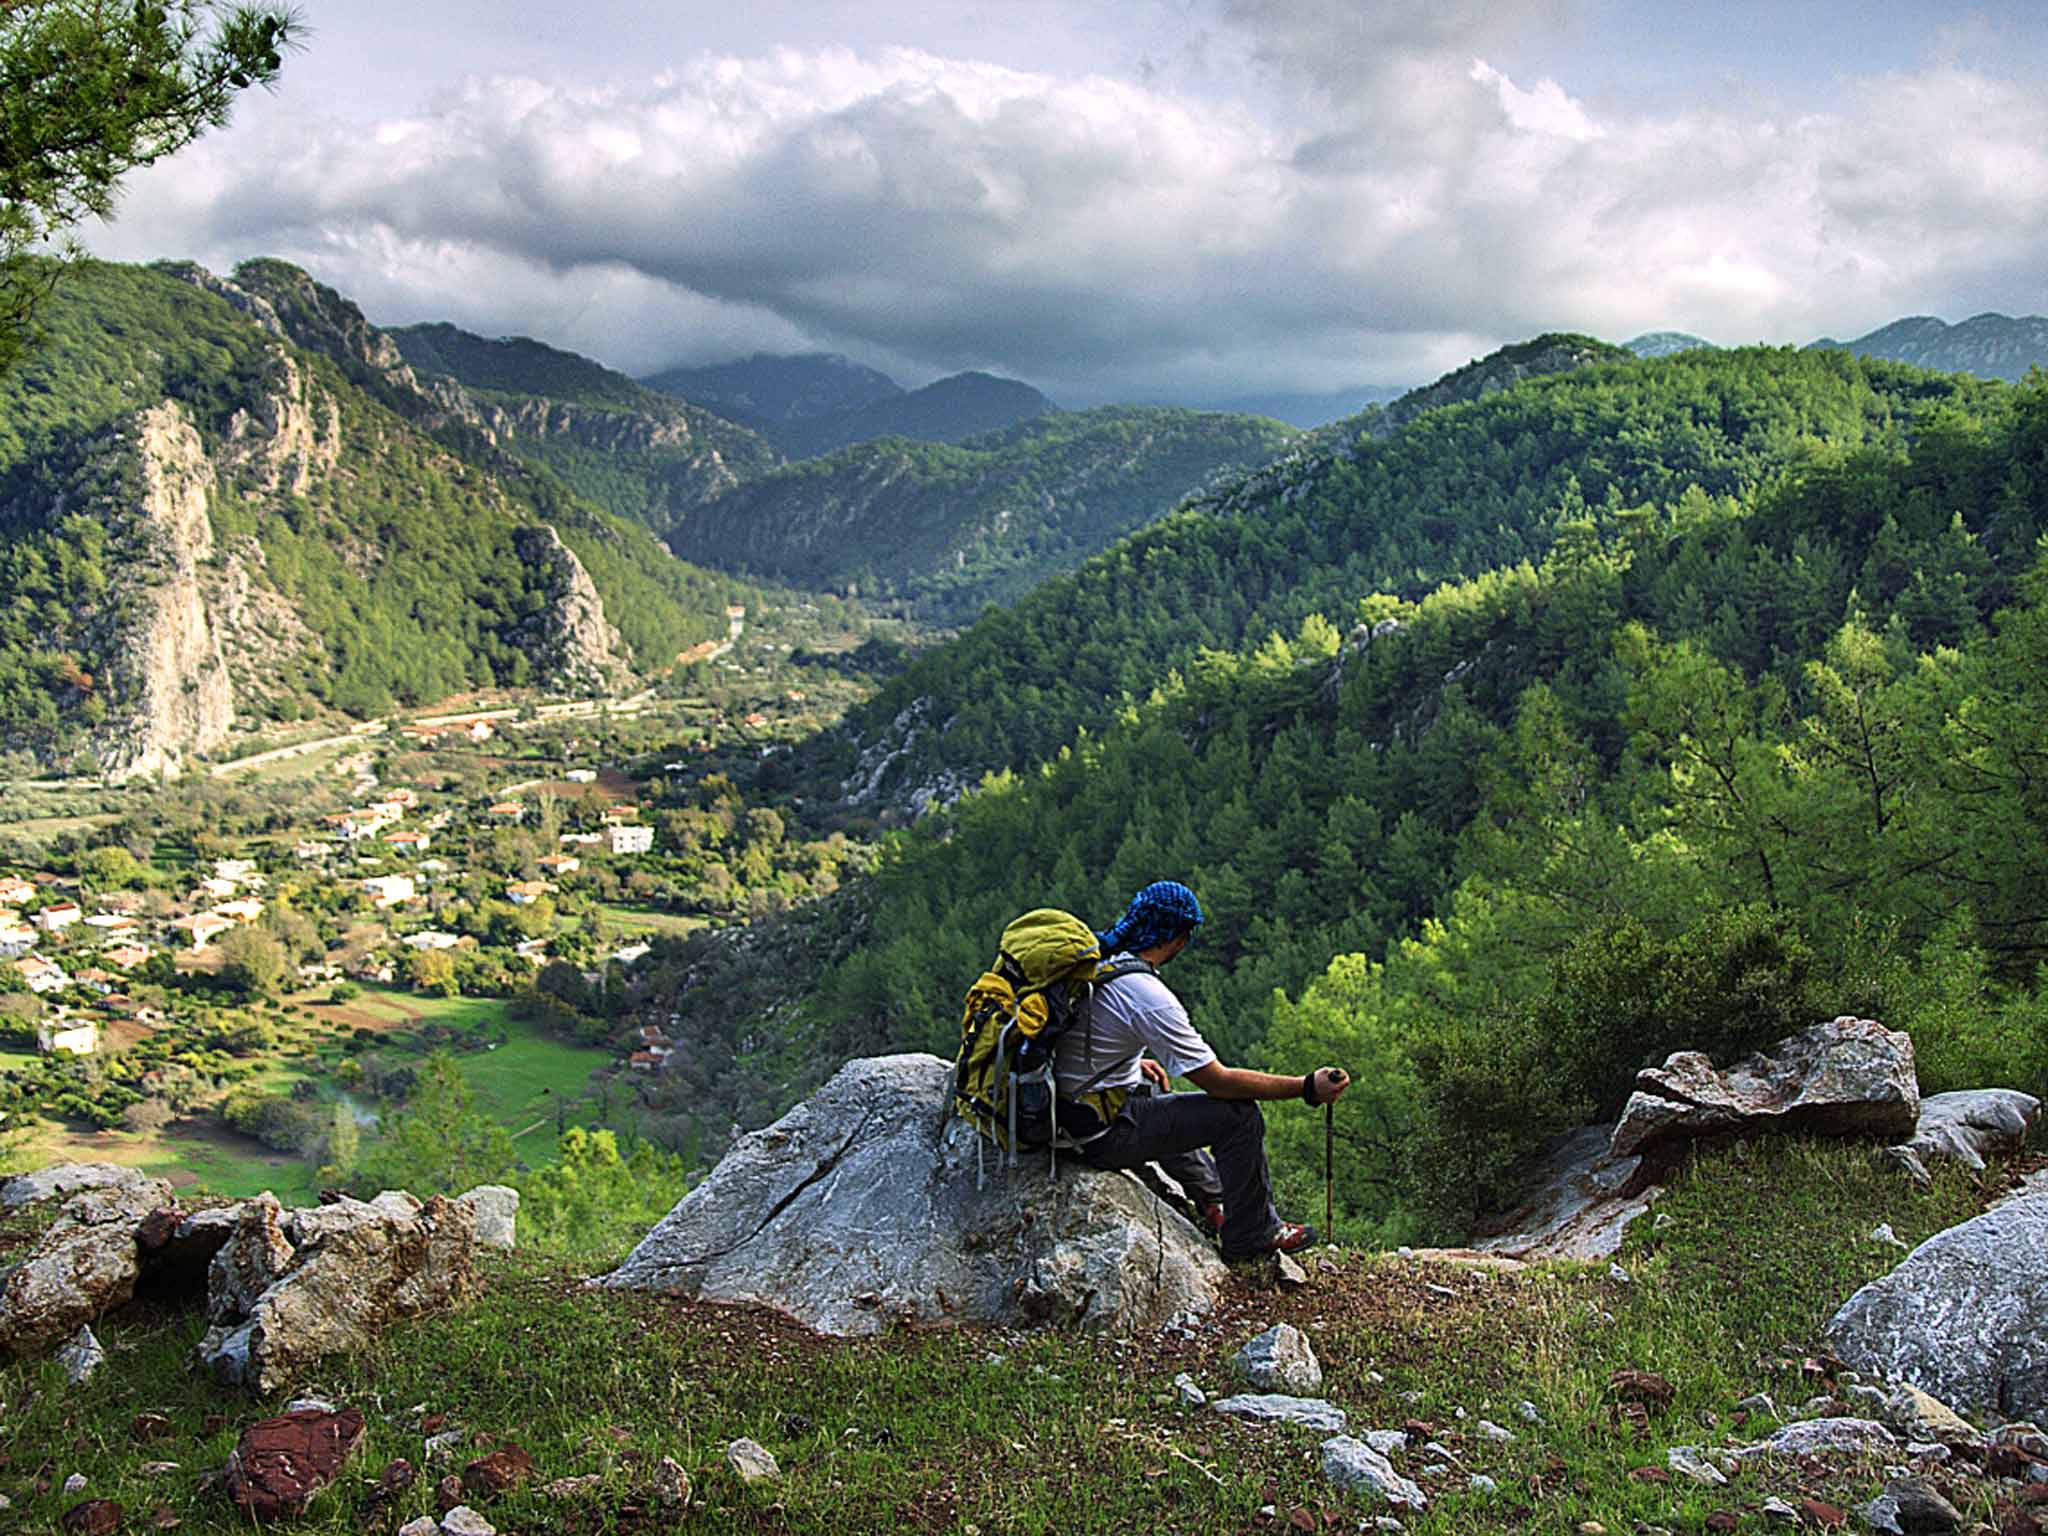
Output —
(637, 922)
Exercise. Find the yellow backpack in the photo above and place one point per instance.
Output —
(1041, 984)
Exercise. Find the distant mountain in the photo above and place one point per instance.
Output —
(1665, 343)
(945, 529)
(1990, 346)
(1301, 410)
(633, 450)
(948, 411)
(226, 501)
(766, 389)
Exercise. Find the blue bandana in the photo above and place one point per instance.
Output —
(1158, 914)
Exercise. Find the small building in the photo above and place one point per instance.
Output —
(524, 893)
(644, 1061)
(559, 863)
(623, 811)
(81, 1037)
(508, 810)
(40, 974)
(202, 928)
(241, 870)
(401, 796)
(217, 889)
(431, 938)
(14, 890)
(110, 924)
(631, 839)
(58, 916)
(581, 775)
(126, 956)
(16, 940)
(631, 953)
(245, 910)
(408, 842)
(532, 949)
(389, 890)
(306, 852)
(580, 839)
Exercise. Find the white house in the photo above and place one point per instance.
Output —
(40, 974)
(389, 890)
(202, 928)
(581, 775)
(630, 839)
(430, 938)
(79, 1036)
(57, 916)
(234, 869)
(16, 940)
(524, 893)
(245, 910)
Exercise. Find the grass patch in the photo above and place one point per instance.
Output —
(946, 1430)
(638, 922)
(197, 1155)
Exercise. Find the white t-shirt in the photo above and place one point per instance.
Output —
(1131, 1015)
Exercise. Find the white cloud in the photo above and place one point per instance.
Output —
(1380, 200)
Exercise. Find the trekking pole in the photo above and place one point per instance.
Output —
(1330, 1172)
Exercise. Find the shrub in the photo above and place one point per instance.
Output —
(1497, 1086)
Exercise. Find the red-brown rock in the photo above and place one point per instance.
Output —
(448, 1493)
(397, 1476)
(281, 1463)
(1645, 1387)
(506, 1467)
(1819, 1513)
(95, 1517)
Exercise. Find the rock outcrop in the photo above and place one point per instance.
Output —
(1584, 1205)
(1964, 1317)
(291, 1287)
(857, 1209)
(167, 688)
(84, 1264)
(1968, 1127)
(571, 640)
(1849, 1077)
(61, 1179)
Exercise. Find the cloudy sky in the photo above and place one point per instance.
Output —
(1135, 199)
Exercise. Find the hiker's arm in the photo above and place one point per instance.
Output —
(1221, 1082)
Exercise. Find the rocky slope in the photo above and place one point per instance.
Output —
(1990, 346)
(635, 451)
(231, 499)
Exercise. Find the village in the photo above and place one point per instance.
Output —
(485, 882)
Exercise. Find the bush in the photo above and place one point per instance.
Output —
(1496, 1087)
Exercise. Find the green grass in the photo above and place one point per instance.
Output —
(636, 922)
(952, 1430)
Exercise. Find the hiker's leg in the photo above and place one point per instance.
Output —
(1194, 1172)
(1154, 1129)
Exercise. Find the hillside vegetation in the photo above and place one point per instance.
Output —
(1688, 771)
(944, 530)
(361, 546)
(636, 452)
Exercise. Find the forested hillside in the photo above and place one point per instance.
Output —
(945, 529)
(1744, 733)
(1462, 489)
(226, 501)
(1991, 346)
(631, 450)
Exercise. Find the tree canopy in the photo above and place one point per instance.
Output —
(91, 89)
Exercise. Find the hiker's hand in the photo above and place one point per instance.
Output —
(1155, 1074)
(1330, 1083)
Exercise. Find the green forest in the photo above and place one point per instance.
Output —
(943, 530)
(1664, 705)
(388, 531)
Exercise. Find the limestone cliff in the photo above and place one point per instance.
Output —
(166, 681)
(571, 641)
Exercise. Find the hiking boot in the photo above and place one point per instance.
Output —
(1212, 1216)
(1288, 1237)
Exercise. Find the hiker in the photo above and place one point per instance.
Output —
(1212, 1143)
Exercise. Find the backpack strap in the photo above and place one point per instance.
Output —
(1126, 965)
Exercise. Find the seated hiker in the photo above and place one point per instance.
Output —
(1212, 1143)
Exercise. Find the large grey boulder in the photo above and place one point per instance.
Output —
(855, 1210)
(1583, 1206)
(69, 1179)
(289, 1288)
(84, 1264)
(1848, 1077)
(1969, 1126)
(1964, 1317)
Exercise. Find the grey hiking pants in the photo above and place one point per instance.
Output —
(1215, 1149)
